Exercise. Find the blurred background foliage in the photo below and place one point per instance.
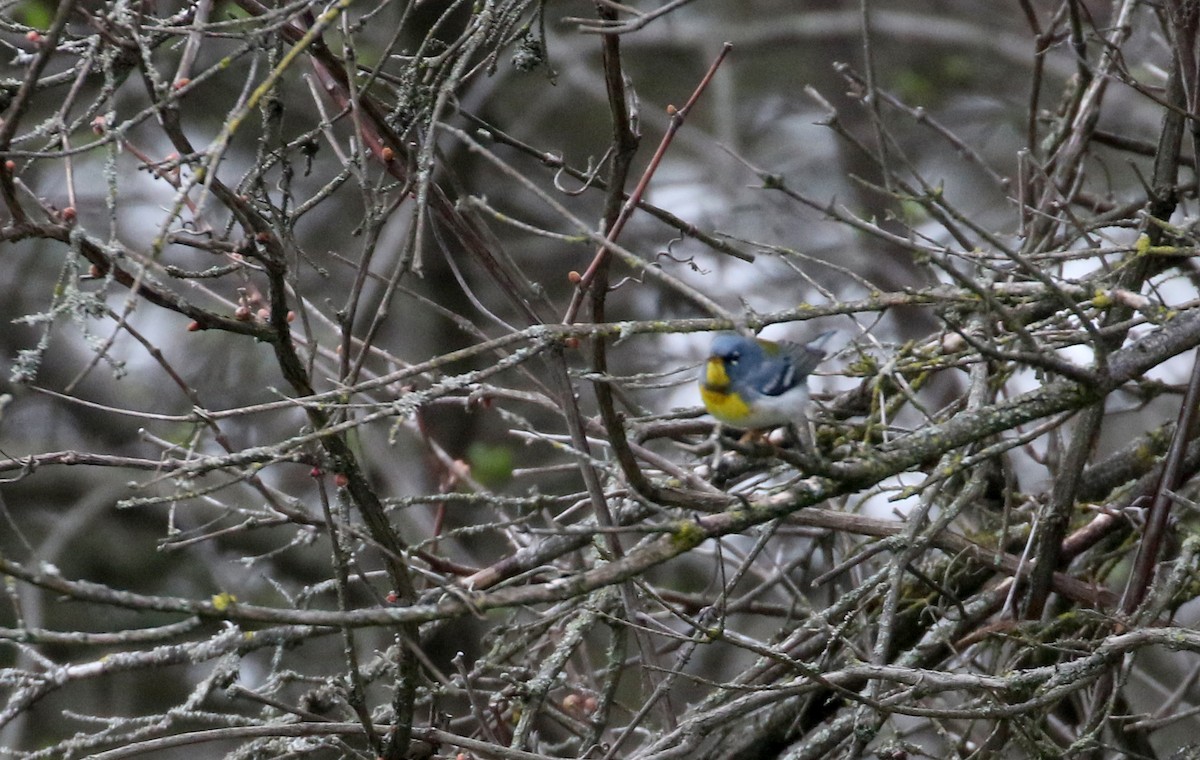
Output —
(964, 69)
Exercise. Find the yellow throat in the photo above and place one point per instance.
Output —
(714, 392)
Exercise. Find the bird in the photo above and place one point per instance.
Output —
(754, 384)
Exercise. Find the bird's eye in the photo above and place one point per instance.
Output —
(733, 358)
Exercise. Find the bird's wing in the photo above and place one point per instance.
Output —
(798, 362)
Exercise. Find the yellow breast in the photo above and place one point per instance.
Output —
(714, 392)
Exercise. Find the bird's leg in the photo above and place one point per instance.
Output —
(753, 438)
(746, 445)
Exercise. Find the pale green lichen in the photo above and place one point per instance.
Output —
(687, 535)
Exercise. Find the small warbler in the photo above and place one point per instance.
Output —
(753, 384)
